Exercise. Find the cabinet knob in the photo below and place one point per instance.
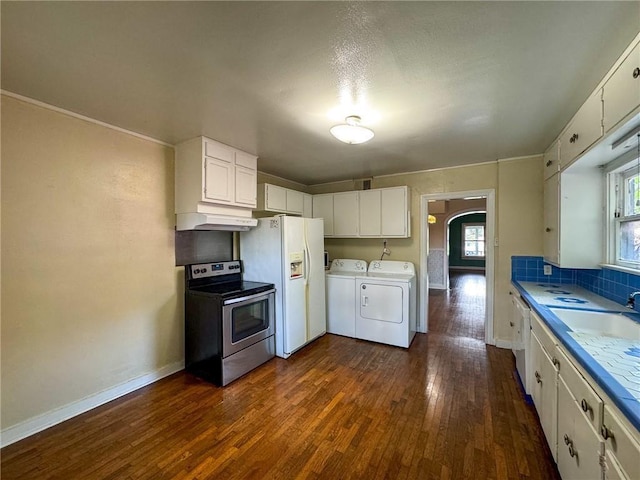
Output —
(567, 441)
(555, 361)
(538, 377)
(547, 229)
(605, 432)
(574, 138)
(549, 162)
(572, 451)
(511, 323)
(636, 72)
(585, 406)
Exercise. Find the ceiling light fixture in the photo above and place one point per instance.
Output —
(431, 219)
(352, 132)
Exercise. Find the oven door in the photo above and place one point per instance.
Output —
(247, 320)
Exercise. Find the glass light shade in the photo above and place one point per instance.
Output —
(352, 132)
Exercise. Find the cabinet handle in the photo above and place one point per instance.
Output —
(567, 441)
(555, 361)
(538, 377)
(605, 432)
(636, 72)
(585, 406)
(574, 138)
(572, 452)
(511, 323)
(549, 162)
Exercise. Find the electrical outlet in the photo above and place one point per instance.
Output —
(546, 269)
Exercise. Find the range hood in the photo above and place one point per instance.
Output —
(206, 221)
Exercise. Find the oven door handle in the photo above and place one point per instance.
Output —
(249, 297)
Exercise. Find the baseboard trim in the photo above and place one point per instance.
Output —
(49, 419)
(503, 344)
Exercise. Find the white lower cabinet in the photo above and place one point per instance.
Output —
(588, 437)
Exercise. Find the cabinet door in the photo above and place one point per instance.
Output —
(551, 160)
(245, 191)
(583, 131)
(622, 91)
(218, 180)
(275, 198)
(295, 202)
(307, 205)
(544, 392)
(579, 446)
(323, 208)
(551, 245)
(345, 214)
(370, 216)
(394, 212)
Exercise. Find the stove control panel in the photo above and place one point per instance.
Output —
(204, 270)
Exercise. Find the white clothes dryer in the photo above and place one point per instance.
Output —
(386, 308)
(341, 295)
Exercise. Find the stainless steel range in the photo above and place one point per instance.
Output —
(229, 322)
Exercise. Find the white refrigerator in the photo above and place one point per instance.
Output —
(289, 252)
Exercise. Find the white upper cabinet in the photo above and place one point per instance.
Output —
(211, 177)
(273, 198)
(323, 208)
(345, 214)
(583, 131)
(622, 91)
(375, 213)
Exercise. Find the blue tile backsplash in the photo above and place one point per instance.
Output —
(611, 284)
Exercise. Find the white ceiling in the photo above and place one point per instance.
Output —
(441, 83)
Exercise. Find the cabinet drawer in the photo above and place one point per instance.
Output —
(545, 337)
(591, 405)
(622, 444)
(217, 150)
(622, 91)
(612, 470)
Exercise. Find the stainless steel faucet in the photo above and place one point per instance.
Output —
(632, 299)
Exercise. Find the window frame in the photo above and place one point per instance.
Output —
(463, 254)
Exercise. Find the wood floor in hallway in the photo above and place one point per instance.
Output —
(447, 408)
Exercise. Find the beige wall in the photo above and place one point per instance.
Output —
(91, 297)
(518, 186)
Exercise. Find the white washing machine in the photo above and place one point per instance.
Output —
(341, 295)
(386, 308)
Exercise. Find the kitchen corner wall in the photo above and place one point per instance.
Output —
(518, 185)
(91, 299)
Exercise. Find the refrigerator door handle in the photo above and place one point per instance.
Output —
(365, 300)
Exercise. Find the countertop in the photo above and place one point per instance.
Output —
(613, 363)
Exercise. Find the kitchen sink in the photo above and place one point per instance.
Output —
(599, 323)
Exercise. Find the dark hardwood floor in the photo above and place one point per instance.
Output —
(447, 408)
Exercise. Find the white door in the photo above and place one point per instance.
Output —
(315, 287)
(381, 302)
(295, 322)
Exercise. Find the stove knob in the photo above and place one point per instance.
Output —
(204, 270)
(196, 271)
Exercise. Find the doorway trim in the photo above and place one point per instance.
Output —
(490, 195)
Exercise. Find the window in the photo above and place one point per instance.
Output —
(473, 240)
(626, 231)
